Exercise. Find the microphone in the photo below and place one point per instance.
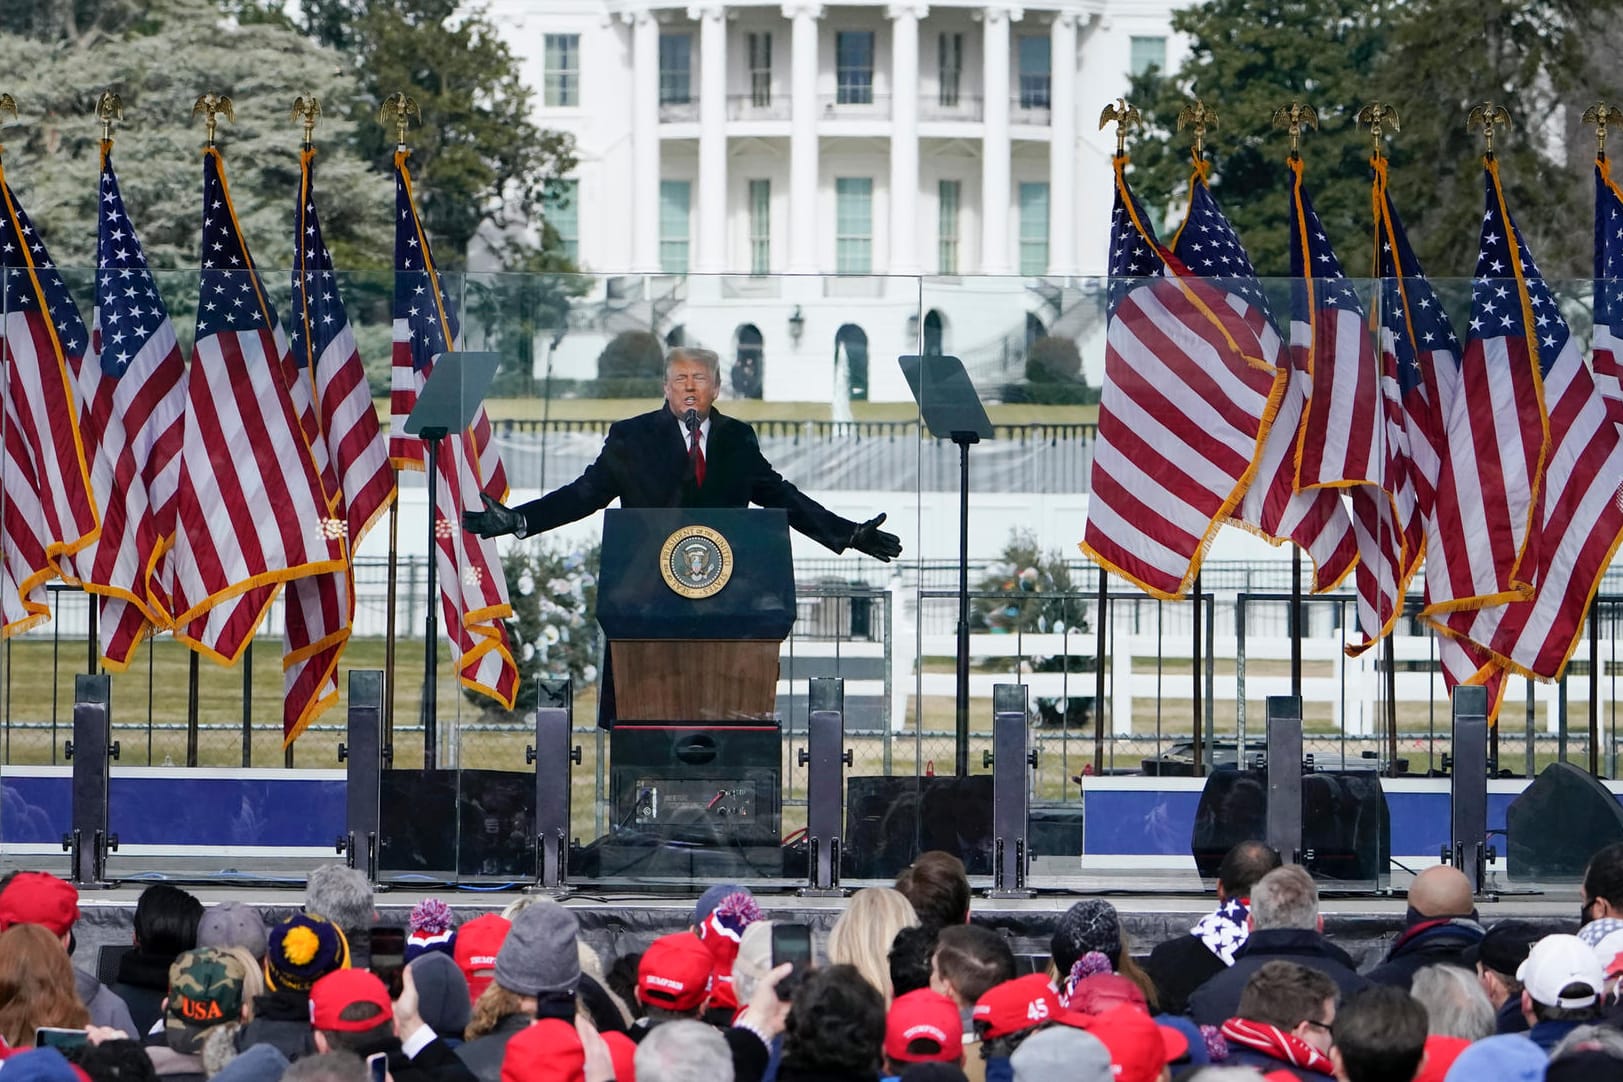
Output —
(691, 419)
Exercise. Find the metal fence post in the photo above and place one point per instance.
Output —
(1468, 786)
(1284, 828)
(824, 757)
(91, 752)
(1011, 790)
(553, 758)
(363, 752)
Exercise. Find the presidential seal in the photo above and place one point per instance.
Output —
(696, 561)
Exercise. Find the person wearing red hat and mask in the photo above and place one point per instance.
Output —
(37, 898)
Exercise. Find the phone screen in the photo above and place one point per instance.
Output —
(791, 943)
(53, 1037)
(377, 1066)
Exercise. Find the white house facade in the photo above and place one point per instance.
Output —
(773, 180)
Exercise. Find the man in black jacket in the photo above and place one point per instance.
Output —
(1440, 928)
(684, 454)
(1184, 963)
(1285, 926)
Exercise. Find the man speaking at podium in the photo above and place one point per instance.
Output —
(684, 454)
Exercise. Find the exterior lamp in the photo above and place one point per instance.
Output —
(797, 325)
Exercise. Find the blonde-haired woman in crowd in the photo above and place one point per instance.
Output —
(865, 931)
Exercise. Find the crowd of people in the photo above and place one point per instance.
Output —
(908, 988)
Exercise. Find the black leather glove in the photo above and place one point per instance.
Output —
(494, 521)
(872, 541)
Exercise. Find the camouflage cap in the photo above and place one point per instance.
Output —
(205, 990)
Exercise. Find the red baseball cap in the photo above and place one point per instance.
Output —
(545, 1051)
(39, 898)
(477, 944)
(623, 1054)
(1016, 1005)
(337, 990)
(922, 1027)
(674, 972)
(1139, 1048)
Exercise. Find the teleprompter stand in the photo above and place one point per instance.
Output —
(952, 410)
(448, 403)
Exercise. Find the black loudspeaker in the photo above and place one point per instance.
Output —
(891, 820)
(1346, 828)
(719, 786)
(1559, 822)
(471, 822)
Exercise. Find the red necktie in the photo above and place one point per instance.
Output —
(696, 456)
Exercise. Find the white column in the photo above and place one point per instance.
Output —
(995, 141)
(1062, 147)
(904, 136)
(803, 215)
(644, 142)
(712, 233)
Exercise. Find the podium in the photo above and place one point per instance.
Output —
(694, 604)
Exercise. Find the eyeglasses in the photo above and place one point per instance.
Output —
(1317, 1024)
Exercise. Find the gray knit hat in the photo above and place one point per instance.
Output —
(1090, 925)
(1061, 1052)
(539, 954)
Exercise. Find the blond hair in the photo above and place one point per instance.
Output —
(863, 935)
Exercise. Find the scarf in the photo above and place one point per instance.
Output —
(1275, 1043)
(1225, 931)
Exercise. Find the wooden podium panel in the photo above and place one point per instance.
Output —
(695, 680)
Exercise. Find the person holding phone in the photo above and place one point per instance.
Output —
(351, 1010)
(36, 970)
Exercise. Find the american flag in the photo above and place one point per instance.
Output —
(329, 389)
(1419, 346)
(132, 408)
(1180, 413)
(49, 513)
(473, 588)
(1608, 341)
(1352, 436)
(1578, 519)
(1487, 492)
(252, 514)
(1317, 521)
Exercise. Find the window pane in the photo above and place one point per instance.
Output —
(760, 59)
(561, 203)
(1034, 228)
(674, 200)
(948, 193)
(853, 67)
(561, 69)
(853, 225)
(952, 68)
(675, 69)
(1147, 53)
(1033, 72)
(760, 226)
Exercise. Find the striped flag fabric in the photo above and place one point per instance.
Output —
(1185, 403)
(473, 587)
(330, 393)
(1352, 437)
(49, 513)
(132, 410)
(1607, 346)
(252, 514)
(1316, 521)
(1488, 489)
(1578, 518)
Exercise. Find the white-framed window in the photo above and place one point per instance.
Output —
(1034, 71)
(760, 226)
(853, 225)
(1034, 228)
(675, 69)
(760, 62)
(561, 203)
(561, 70)
(951, 55)
(675, 204)
(853, 67)
(1145, 53)
(948, 197)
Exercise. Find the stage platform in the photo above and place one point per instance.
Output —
(622, 922)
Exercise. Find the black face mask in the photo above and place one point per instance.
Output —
(1583, 914)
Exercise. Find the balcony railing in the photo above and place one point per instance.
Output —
(840, 107)
(679, 112)
(962, 107)
(757, 107)
(1029, 109)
